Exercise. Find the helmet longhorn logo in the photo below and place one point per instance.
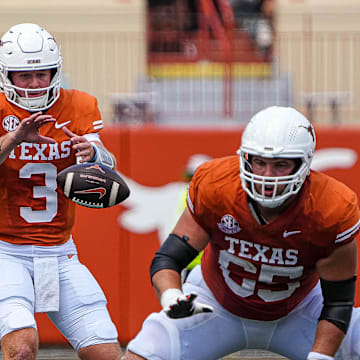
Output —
(310, 129)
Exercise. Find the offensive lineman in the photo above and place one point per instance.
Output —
(45, 129)
(277, 239)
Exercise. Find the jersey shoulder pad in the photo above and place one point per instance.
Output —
(215, 180)
(333, 202)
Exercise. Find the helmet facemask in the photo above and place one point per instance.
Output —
(43, 102)
(292, 181)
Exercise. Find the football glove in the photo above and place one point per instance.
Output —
(177, 305)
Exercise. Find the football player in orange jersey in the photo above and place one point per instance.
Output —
(43, 130)
(279, 264)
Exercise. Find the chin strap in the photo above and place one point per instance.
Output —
(33, 103)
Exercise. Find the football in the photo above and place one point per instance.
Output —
(93, 185)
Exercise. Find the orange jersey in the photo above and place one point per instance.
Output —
(258, 271)
(33, 209)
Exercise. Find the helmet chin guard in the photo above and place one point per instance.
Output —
(276, 132)
(28, 47)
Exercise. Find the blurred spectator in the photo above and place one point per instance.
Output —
(256, 18)
(170, 19)
(132, 108)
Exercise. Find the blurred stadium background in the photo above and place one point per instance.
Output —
(200, 60)
(182, 65)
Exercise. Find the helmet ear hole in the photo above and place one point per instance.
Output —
(247, 162)
(298, 163)
(10, 75)
(53, 72)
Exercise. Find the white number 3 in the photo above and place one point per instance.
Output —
(47, 191)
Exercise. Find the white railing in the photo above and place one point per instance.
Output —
(315, 71)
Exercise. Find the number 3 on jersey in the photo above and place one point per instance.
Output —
(47, 191)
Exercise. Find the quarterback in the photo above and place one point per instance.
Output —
(43, 130)
(278, 270)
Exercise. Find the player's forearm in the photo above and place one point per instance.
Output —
(327, 339)
(166, 279)
(8, 142)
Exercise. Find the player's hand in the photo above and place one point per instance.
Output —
(29, 129)
(178, 305)
(84, 151)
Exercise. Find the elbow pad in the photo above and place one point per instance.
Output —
(175, 253)
(338, 302)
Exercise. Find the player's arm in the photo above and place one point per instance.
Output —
(337, 274)
(28, 130)
(8, 142)
(180, 248)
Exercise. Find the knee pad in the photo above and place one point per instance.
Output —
(100, 331)
(15, 315)
(158, 339)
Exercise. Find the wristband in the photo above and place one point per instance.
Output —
(102, 156)
(169, 297)
(95, 153)
(317, 356)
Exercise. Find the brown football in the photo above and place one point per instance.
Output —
(93, 185)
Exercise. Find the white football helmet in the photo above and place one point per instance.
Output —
(27, 47)
(276, 132)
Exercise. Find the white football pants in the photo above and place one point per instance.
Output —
(82, 318)
(214, 335)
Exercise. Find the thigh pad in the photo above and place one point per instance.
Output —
(15, 314)
(146, 343)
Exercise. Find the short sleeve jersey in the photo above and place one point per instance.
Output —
(33, 209)
(258, 271)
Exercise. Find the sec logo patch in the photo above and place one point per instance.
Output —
(229, 225)
(10, 123)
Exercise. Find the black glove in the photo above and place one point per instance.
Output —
(177, 305)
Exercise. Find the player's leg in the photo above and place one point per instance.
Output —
(100, 351)
(204, 336)
(350, 347)
(20, 344)
(131, 356)
(83, 317)
(301, 323)
(19, 338)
